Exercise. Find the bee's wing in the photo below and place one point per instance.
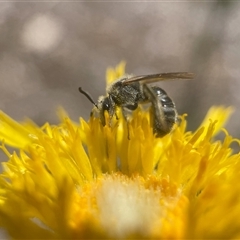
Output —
(158, 77)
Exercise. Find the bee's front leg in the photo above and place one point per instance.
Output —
(126, 111)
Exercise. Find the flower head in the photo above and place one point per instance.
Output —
(85, 180)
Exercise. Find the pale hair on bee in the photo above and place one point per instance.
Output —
(130, 91)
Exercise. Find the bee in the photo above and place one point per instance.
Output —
(130, 91)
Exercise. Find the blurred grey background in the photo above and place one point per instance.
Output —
(49, 49)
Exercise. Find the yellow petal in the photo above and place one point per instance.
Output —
(13, 133)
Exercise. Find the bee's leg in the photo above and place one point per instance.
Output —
(126, 109)
(111, 114)
(125, 113)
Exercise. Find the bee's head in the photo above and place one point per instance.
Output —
(105, 104)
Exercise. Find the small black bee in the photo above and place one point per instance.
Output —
(129, 91)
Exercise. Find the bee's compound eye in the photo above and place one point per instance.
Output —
(106, 104)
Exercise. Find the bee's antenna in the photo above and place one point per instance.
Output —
(87, 95)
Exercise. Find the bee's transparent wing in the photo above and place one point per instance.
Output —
(158, 77)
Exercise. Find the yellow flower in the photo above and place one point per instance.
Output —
(83, 180)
